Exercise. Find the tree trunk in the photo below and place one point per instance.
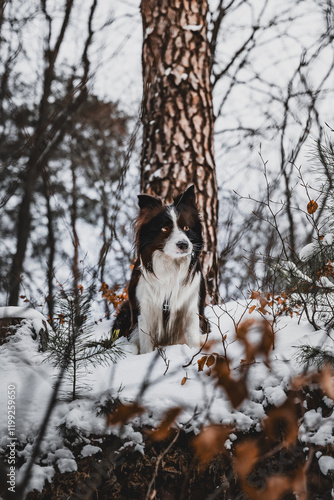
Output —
(177, 113)
(75, 238)
(51, 244)
(48, 134)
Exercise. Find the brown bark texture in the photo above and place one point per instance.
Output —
(177, 114)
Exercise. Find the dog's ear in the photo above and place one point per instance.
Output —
(147, 201)
(186, 198)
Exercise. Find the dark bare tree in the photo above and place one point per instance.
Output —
(48, 132)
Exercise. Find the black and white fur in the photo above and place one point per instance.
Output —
(167, 288)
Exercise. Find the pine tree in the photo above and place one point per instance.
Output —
(309, 281)
(73, 346)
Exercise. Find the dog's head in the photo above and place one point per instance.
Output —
(172, 229)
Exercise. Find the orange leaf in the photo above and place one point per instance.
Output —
(244, 328)
(184, 380)
(284, 416)
(236, 389)
(124, 413)
(251, 309)
(312, 207)
(201, 362)
(326, 382)
(247, 454)
(210, 442)
(164, 429)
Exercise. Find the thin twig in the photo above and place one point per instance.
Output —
(159, 459)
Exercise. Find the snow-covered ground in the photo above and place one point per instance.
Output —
(158, 382)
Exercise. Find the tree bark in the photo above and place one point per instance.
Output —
(177, 113)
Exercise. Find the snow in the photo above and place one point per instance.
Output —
(154, 381)
(39, 476)
(326, 464)
(328, 239)
(89, 450)
(38, 321)
(148, 31)
(275, 395)
(193, 27)
(67, 465)
(312, 419)
(307, 251)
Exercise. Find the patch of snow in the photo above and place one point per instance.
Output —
(38, 476)
(328, 402)
(64, 453)
(39, 322)
(67, 465)
(324, 435)
(193, 27)
(228, 444)
(275, 395)
(312, 419)
(328, 239)
(148, 31)
(326, 464)
(325, 282)
(89, 450)
(307, 251)
(156, 175)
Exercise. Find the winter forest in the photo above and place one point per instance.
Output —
(99, 102)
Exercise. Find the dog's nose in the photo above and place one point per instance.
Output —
(182, 245)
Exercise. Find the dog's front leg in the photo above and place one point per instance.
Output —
(146, 343)
(192, 333)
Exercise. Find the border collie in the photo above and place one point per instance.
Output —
(167, 288)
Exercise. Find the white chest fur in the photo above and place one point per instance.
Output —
(168, 304)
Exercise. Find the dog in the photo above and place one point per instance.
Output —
(166, 293)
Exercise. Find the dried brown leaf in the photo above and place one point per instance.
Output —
(286, 417)
(236, 389)
(210, 361)
(124, 413)
(201, 363)
(312, 207)
(244, 328)
(327, 382)
(164, 429)
(246, 454)
(210, 442)
(267, 340)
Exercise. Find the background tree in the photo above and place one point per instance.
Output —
(177, 113)
(50, 135)
(272, 72)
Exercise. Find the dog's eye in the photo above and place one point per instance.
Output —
(186, 228)
(165, 229)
